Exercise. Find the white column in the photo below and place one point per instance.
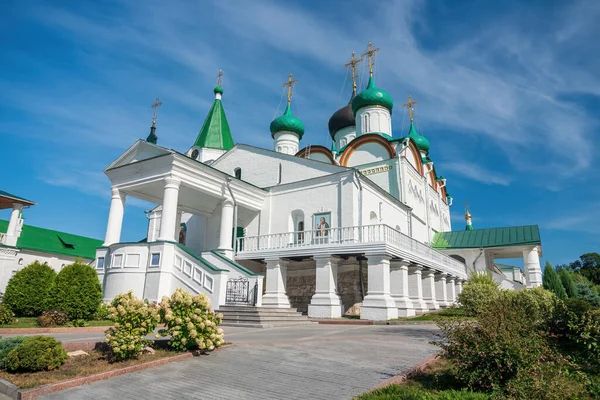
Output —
(226, 232)
(325, 303)
(399, 288)
(415, 288)
(276, 276)
(115, 218)
(440, 289)
(531, 262)
(451, 290)
(458, 287)
(169, 210)
(429, 289)
(378, 304)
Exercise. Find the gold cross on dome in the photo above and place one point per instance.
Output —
(289, 83)
(370, 52)
(411, 109)
(219, 76)
(155, 106)
(352, 64)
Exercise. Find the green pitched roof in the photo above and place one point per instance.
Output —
(49, 241)
(420, 140)
(491, 237)
(215, 132)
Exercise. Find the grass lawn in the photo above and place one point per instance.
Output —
(435, 382)
(77, 367)
(30, 322)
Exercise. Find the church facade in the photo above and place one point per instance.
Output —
(331, 231)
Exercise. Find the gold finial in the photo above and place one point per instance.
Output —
(467, 213)
(370, 51)
(352, 64)
(289, 83)
(219, 76)
(411, 109)
(155, 106)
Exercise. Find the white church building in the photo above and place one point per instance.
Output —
(363, 228)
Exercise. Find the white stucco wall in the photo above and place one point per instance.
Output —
(373, 119)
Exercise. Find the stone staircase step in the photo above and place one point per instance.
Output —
(261, 317)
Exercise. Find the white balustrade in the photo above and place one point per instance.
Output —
(379, 233)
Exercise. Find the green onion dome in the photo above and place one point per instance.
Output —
(218, 89)
(287, 122)
(421, 141)
(372, 96)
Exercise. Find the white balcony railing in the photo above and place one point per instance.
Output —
(358, 235)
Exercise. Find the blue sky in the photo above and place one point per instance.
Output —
(508, 96)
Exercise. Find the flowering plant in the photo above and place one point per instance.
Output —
(134, 320)
(190, 322)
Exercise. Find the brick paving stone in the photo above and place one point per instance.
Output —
(318, 362)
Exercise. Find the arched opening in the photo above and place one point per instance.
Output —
(373, 218)
(238, 173)
(297, 226)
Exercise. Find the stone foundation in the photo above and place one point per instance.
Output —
(300, 283)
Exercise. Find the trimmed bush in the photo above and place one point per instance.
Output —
(134, 320)
(37, 353)
(568, 284)
(28, 290)
(6, 345)
(190, 321)
(7, 317)
(77, 291)
(477, 293)
(551, 282)
(52, 318)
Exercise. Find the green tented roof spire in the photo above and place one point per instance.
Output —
(215, 132)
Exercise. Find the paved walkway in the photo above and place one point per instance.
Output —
(308, 362)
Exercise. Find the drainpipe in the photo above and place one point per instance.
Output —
(235, 212)
(474, 262)
(360, 197)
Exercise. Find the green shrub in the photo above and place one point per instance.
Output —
(52, 318)
(477, 293)
(102, 312)
(28, 290)
(568, 284)
(505, 342)
(190, 321)
(415, 392)
(586, 332)
(6, 345)
(551, 282)
(77, 291)
(7, 317)
(79, 323)
(134, 320)
(37, 353)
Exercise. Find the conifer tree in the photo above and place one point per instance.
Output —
(551, 282)
(568, 284)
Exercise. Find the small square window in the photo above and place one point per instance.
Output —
(117, 261)
(100, 263)
(198, 275)
(155, 259)
(178, 262)
(208, 282)
(187, 268)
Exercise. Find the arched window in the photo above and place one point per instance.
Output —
(297, 225)
(300, 231)
(238, 173)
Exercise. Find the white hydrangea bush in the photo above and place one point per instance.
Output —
(190, 322)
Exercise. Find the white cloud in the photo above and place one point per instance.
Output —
(476, 173)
